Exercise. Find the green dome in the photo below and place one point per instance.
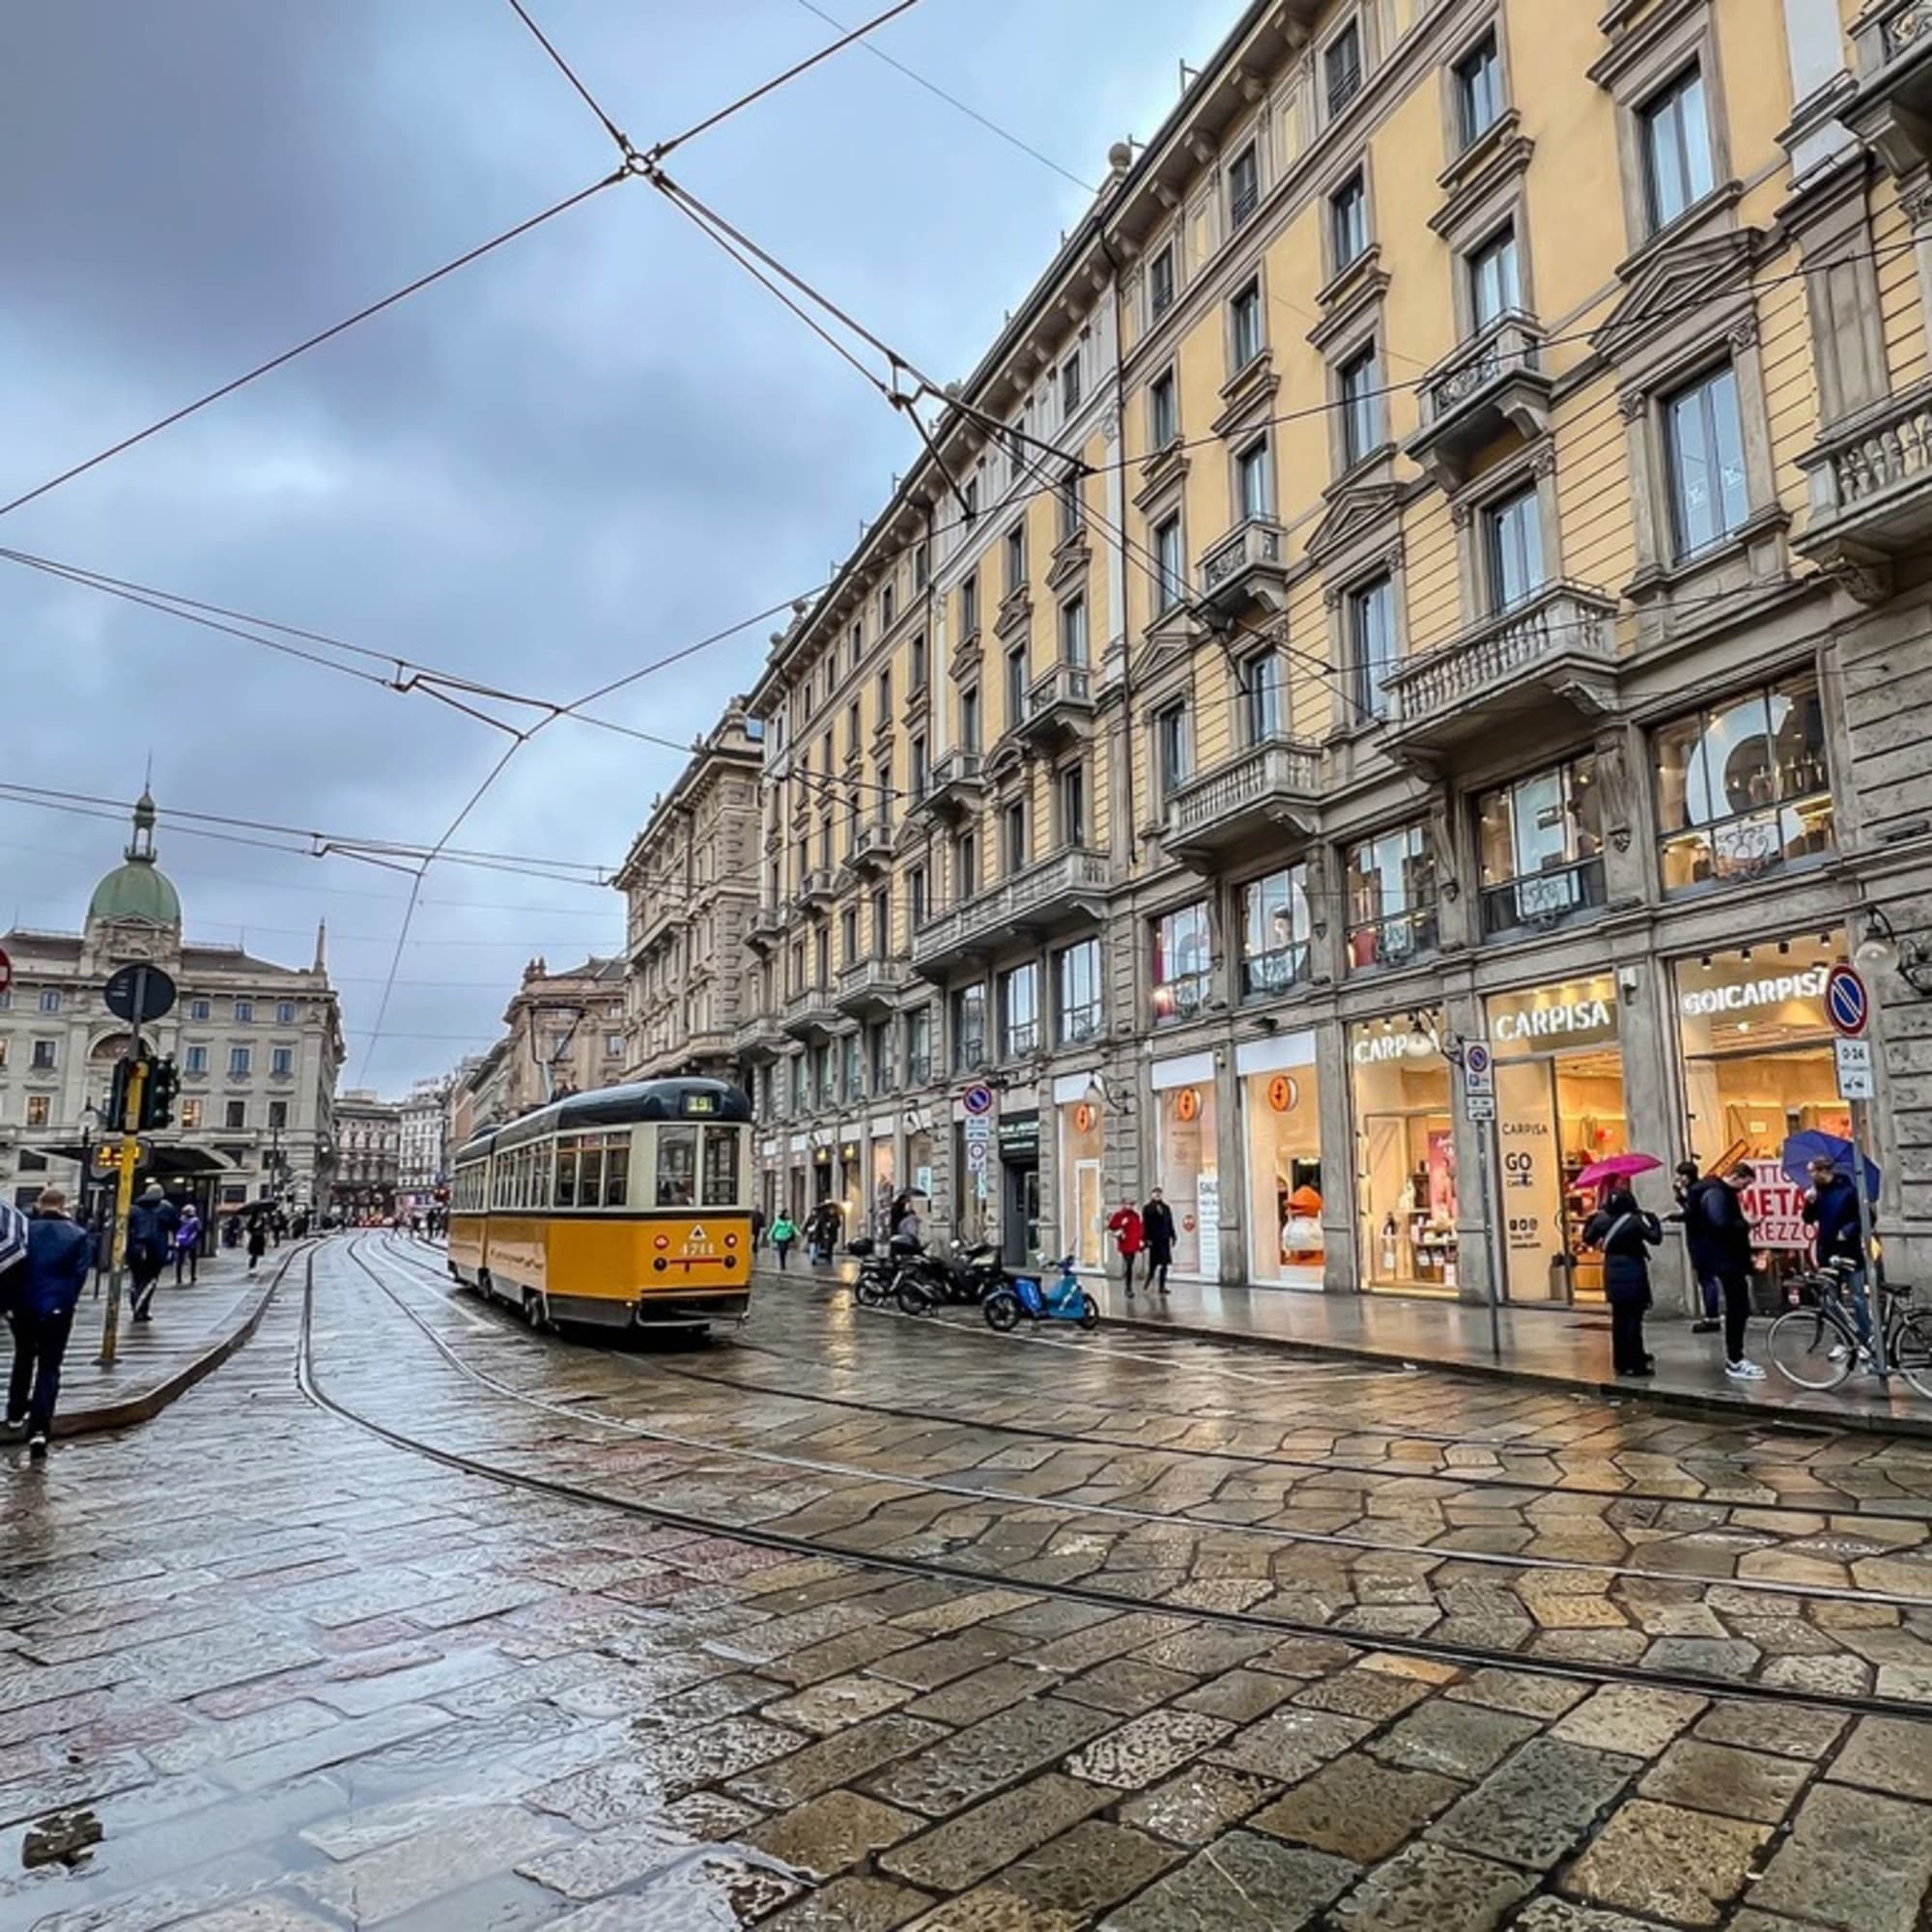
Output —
(138, 888)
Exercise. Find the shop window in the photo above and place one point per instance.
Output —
(1244, 185)
(1253, 482)
(1077, 1009)
(1275, 934)
(969, 1029)
(1342, 68)
(1263, 698)
(1358, 387)
(1163, 410)
(1496, 278)
(1019, 1011)
(1539, 841)
(1281, 1111)
(1372, 645)
(1349, 221)
(1676, 136)
(1704, 460)
(1160, 283)
(1173, 746)
(1743, 787)
(1170, 578)
(1407, 1153)
(1182, 963)
(1083, 1211)
(1479, 90)
(1513, 549)
(1392, 897)
(1244, 327)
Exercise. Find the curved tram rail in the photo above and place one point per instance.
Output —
(1463, 1655)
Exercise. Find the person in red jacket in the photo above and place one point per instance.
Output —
(1130, 1237)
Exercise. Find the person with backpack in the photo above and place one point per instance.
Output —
(1130, 1237)
(1625, 1232)
(43, 1293)
(152, 1222)
(187, 1245)
(782, 1234)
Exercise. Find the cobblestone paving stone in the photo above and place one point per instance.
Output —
(333, 1684)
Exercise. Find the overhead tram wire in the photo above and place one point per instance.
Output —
(564, 67)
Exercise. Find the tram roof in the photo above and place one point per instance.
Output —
(626, 1106)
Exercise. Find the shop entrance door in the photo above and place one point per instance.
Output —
(1019, 1213)
(1555, 1115)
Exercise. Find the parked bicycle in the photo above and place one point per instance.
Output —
(1025, 1295)
(1816, 1345)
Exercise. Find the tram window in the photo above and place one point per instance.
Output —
(616, 1174)
(677, 1162)
(590, 1174)
(540, 1189)
(566, 1176)
(721, 1167)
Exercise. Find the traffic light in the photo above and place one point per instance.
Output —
(157, 1093)
(117, 1097)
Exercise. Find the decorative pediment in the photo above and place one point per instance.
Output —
(1349, 297)
(1247, 395)
(1499, 156)
(1169, 643)
(1004, 764)
(1675, 282)
(1165, 470)
(1354, 512)
(1016, 614)
(1070, 560)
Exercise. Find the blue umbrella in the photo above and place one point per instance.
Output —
(13, 1236)
(1802, 1149)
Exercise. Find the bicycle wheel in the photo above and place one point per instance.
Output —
(1911, 1343)
(1002, 1311)
(1800, 1345)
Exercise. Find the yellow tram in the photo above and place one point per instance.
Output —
(630, 1206)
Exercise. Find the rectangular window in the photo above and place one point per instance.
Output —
(1244, 185)
(888, 607)
(1016, 685)
(918, 896)
(38, 1109)
(969, 507)
(1244, 327)
(969, 609)
(916, 662)
(1358, 382)
(1069, 385)
(918, 1046)
(1704, 453)
(1676, 136)
(922, 566)
(285, 1013)
(1016, 558)
(1372, 645)
(1479, 90)
(1077, 993)
(858, 643)
(882, 923)
(885, 697)
(1073, 786)
(282, 1060)
(191, 1116)
(198, 1009)
(241, 1063)
(920, 771)
(1349, 220)
(969, 1029)
(1017, 443)
(822, 959)
(1013, 854)
(1160, 283)
(966, 865)
(1342, 68)
(1391, 889)
(195, 1060)
(1163, 410)
(1182, 963)
(1019, 1011)
(1074, 630)
(278, 1116)
(879, 1052)
(1170, 567)
(854, 728)
(50, 999)
(678, 1167)
(1513, 546)
(721, 1155)
(851, 1067)
(235, 1116)
(1263, 698)
(969, 718)
(848, 923)
(1173, 746)
(1541, 847)
(244, 1011)
(1253, 482)
(1495, 288)
(1275, 933)
(46, 1056)
(1743, 787)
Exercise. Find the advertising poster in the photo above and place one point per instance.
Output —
(1775, 1209)
(1207, 1208)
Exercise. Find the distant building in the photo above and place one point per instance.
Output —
(368, 1167)
(423, 1158)
(258, 1047)
(566, 1034)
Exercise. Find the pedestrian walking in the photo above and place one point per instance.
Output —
(258, 1241)
(758, 1229)
(1624, 1231)
(1718, 1214)
(43, 1292)
(1831, 1211)
(784, 1235)
(187, 1245)
(1157, 1230)
(1129, 1236)
(152, 1222)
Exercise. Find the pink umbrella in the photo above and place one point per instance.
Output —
(1617, 1167)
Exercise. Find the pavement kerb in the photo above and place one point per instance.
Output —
(144, 1405)
(1703, 1401)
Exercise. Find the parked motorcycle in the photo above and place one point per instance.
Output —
(877, 1272)
(1025, 1295)
(962, 1277)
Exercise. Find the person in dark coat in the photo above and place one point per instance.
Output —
(1831, 1211)
(1625, 1232)
(1716, 1218)
(1157, 1230)
(1688, 1183)
(152, 1222)
(45, 1290)
(258, 1240)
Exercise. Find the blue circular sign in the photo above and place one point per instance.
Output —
(978, 1100)
(1847, 1004)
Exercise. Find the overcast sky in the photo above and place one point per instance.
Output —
(593, 446)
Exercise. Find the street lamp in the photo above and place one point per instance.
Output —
(1882, 949)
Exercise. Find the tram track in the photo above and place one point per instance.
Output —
(1836, 1503)
(1462, 1655)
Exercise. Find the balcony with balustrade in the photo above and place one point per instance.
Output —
(815, 891)
(768, 922)
(1248, 567)
(953, 786)
(873, 848)
(1060, 895)
(1557, 646)
(1892, 108)
(1871, 483)
(1493, 382)
(1059, 706)
(810, 1014)
(1268, 795)
(758, 1038)
(871, 988)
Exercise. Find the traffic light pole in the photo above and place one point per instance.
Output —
(130, 1156)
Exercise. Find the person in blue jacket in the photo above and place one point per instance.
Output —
(40, 1296)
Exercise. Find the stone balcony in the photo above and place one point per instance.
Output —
(872, 850)
(768, 922)
(810, 1014)
(870, 988)
(1891, 109)
(1559, 644)
(1268, 795)
(1248, 566)
(1871, 483)
(816, 888)
(1059, 705)
(1489, 384)
(1057, 896)
(954, 784)
(758, 1037)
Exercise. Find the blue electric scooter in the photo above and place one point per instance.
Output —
(1025, 1295)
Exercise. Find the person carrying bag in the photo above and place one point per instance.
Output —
(1625, 1232)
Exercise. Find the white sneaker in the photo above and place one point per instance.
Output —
(1839, 1351)
(1743, 1372)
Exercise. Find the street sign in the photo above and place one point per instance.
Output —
(151, 987)
(978, 1101)
(1479, 1081)
(1855, 1070)
(1847, 1004)
(6, 971)
(1479, 1106)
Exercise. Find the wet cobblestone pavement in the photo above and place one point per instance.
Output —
(868, 1623)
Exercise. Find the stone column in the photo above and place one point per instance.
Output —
(1341, 1264)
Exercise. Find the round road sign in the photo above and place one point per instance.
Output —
(978, 1100)
(1847, 1002)
(149, 985)
(1476, 1058)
